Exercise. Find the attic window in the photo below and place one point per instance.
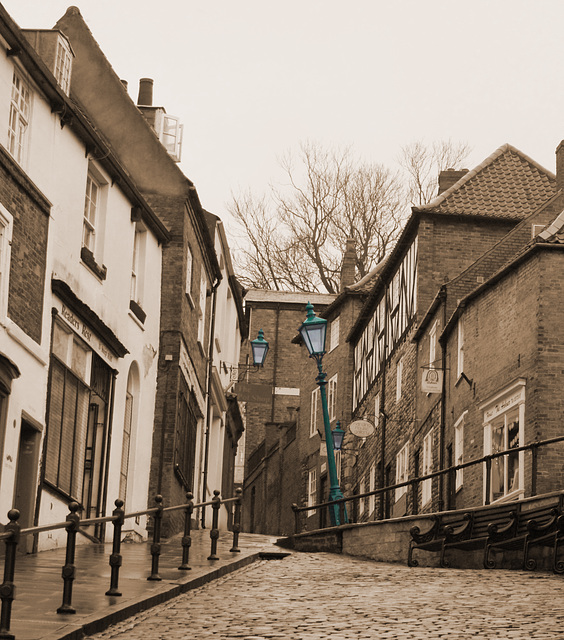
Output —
(171, 136)
(63, 65)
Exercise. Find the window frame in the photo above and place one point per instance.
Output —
(334, 333)
(506, 404)
(202, 308)
(312, 489)
(460, 347)
(19, 117)
(63, 64)
(371, 487)
(332, 397)
(6, 231)
(315, 399)
(433, 345)
(459, 450)
(399, 378)
(402, 470)
(427, 467)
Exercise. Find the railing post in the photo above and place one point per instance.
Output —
(237, 521)
(7, 589)
(415, 497)
(534, 467)
(69, 570)
(116, 558)
(488, 479)
(296, 518)
(156, 546)
(187, 538)
(342, 512)
(214, 533)
(451, 488)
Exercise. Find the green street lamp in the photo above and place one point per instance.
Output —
(259, 347)
(313, 331)
(337, 434)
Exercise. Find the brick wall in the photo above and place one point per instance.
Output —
(30, 212)
(447, 245)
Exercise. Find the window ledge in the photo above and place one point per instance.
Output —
(89, 261)
(137, 311)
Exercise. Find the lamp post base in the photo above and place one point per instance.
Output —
(335, 514)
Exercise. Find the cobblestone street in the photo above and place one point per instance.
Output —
(311, 596)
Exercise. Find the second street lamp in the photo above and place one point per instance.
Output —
(313, 331)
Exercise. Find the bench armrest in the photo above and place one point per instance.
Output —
(495, 530)
(534, 528)
(426, 536)
(456, 532)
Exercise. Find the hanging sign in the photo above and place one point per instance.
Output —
(432, 381)
(361, 428)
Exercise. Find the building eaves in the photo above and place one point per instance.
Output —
(288, 297)
(386, 269)
(556, 242)
(72, 115)
(503, 252)
(507, 185)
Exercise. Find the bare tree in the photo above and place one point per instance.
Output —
(297, 241)
(423, 163)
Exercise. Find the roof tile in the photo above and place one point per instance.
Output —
(507, 185)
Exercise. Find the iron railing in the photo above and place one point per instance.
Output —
(414, 483)
(13, 532)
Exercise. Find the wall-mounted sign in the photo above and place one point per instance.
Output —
(432, 381)
(361, 428)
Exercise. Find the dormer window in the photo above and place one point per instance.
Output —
(63, 65)
(171, 136)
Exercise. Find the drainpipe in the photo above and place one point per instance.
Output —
(382, 409)
(208, 402)
(441, 504)
(272, 407)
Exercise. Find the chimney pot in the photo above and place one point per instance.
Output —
(145, 97)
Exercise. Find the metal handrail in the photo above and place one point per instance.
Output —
(532, 446)
(72, 525)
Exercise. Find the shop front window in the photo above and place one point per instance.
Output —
(504, 417)
(505, 469)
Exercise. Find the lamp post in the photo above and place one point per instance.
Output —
(313, 331)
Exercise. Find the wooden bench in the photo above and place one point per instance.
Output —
(471, 530)
(547, 533)
(432, 539)
(487, 526)
(538, 523)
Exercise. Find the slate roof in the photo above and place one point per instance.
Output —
(507, 185)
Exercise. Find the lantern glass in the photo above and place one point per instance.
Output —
(313, 332)
(259, 347)
(337, 434)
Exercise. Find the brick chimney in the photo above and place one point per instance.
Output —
(348, 266)
(560, 166)
(145, 96)
(449, 177)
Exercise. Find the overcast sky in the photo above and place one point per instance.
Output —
(250, 79)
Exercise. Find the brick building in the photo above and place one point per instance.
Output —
(275, 470)
(149, 141)
(447, 247)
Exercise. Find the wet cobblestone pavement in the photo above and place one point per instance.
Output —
(316, 596)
